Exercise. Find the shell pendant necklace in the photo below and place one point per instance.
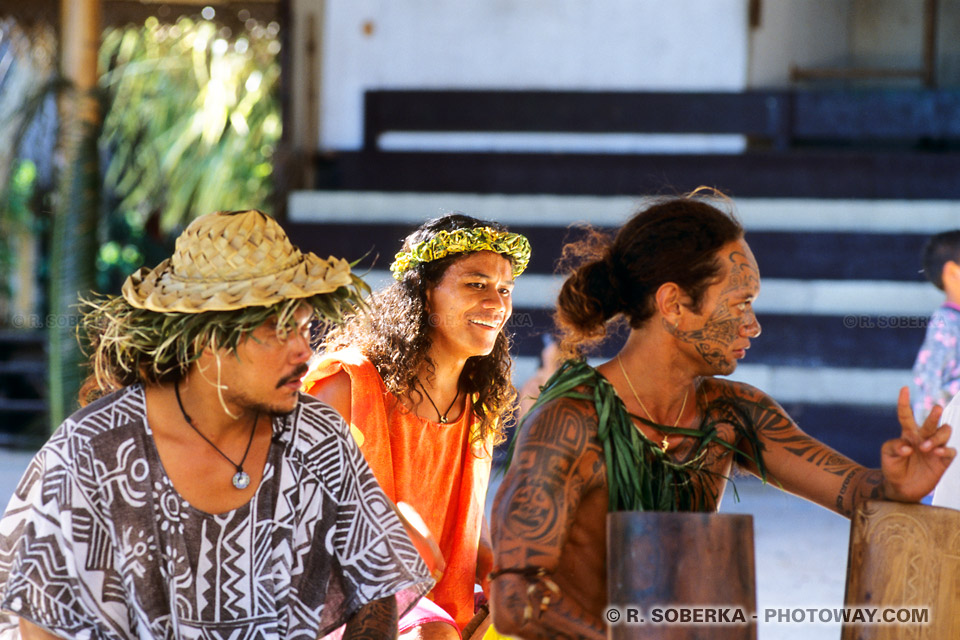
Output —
(664, 444)
(241, 479)
(443, 416)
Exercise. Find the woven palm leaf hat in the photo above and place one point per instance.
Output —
(231, 260)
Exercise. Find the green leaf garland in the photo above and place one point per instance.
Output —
(640, 476)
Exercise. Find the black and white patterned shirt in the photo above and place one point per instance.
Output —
(97, 543)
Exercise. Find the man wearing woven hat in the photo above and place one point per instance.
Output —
(424, 381)
(199, 495)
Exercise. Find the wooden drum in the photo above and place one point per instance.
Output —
(687, 576)
(904, 559)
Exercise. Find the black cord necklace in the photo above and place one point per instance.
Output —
(443, 416)
(241, 479)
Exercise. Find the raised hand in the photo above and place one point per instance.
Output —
(913, 463)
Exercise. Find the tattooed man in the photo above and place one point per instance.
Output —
(653, 429)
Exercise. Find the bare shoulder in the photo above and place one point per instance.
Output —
(336, 391)
(560, 438)
(762, 410)
(714, 388)
(567, 423)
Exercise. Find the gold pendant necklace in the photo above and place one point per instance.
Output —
(664, 444)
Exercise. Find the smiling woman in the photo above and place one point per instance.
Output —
(423, 379)
(469, 307)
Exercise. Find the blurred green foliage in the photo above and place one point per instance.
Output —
(17, 216)
(27, 112)
(191, 118)
(192, 121)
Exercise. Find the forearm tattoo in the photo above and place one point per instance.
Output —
(778, 431)
(867, 484)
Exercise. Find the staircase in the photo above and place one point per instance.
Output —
(23, 373)
(842, 306)
(837, 193)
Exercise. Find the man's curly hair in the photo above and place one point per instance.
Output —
(395, 335)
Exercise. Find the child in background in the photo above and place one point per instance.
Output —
(936, 372)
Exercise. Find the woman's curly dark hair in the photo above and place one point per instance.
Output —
(395, 335)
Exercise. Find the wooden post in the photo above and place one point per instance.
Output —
(681, 561)
(80, 39)
(930, 43)
(73, 242)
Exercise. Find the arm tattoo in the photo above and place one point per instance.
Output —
(867, 484)
(544, 483)
(843, 489)
(375, 620)
(777, 428)
(556, 462)
(779, 432)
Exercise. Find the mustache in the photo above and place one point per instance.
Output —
(296, 375)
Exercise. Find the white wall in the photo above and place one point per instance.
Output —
(588, 44)
(550, 44)
(890, 33)
(797, 33)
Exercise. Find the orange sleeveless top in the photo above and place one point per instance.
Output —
(430, 466)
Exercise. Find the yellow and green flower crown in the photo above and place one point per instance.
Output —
(446, 243)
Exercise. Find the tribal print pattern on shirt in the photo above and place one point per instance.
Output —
(97, 543)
